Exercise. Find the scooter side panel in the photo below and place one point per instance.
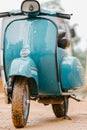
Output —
(72, 73)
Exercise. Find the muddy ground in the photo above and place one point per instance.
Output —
(42, 118)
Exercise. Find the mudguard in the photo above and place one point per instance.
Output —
(24, 66)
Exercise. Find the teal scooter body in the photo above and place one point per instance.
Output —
(44, 58)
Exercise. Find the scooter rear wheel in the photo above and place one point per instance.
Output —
(20, 107)
(60, 110)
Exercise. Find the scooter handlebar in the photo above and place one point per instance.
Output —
(12, 13)
(55, 14)
(42, 12)
(4, 14)
(65, 16)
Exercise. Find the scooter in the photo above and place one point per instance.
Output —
(35, 65)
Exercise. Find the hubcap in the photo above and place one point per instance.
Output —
(26, 103)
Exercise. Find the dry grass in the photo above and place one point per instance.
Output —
(1, 89)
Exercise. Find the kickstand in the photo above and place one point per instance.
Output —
(65, 109)
(67, 117)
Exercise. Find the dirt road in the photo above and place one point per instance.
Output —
(42, 118)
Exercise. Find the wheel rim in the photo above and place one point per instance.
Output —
(25, 104)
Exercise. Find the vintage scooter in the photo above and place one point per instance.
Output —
(34, 67)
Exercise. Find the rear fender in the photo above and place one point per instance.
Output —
(24, 67)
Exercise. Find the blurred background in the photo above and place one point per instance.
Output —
(76, 27)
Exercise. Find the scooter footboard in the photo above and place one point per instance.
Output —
(72, 73)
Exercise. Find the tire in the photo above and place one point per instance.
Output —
(60, 110)
(20, 107)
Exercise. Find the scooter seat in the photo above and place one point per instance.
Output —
(63, 43)
(61, 34)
